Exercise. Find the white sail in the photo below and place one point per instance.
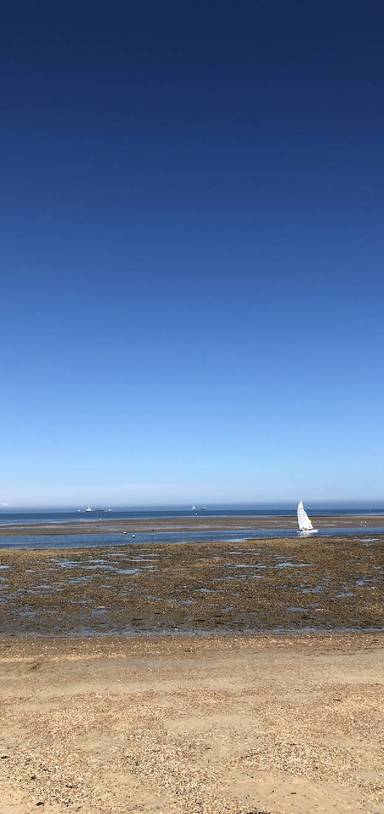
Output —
(303, 519)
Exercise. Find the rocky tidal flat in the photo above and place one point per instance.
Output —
(275, 585)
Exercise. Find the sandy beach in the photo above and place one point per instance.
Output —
(210, 726)
(187, 713)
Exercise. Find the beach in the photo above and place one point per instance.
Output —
(218, 725)
(204, 678)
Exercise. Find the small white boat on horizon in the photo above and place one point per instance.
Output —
(305, 524)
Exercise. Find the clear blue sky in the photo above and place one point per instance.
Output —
(191, 252)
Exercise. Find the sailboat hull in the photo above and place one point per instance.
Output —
(308, 533)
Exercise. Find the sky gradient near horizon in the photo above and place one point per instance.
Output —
(192, 252)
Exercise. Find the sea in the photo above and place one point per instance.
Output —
(42, 516)
(83, 540)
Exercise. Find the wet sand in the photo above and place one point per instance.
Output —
(254, 586)
(209, 726)
(202, 523)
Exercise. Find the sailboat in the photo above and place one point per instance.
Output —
(305, 525)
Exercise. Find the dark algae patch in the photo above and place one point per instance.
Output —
(277, 585)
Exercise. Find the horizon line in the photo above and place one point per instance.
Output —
(10, 508)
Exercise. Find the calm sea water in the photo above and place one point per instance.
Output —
(50, 516)
(40, 541)
(82, 540)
